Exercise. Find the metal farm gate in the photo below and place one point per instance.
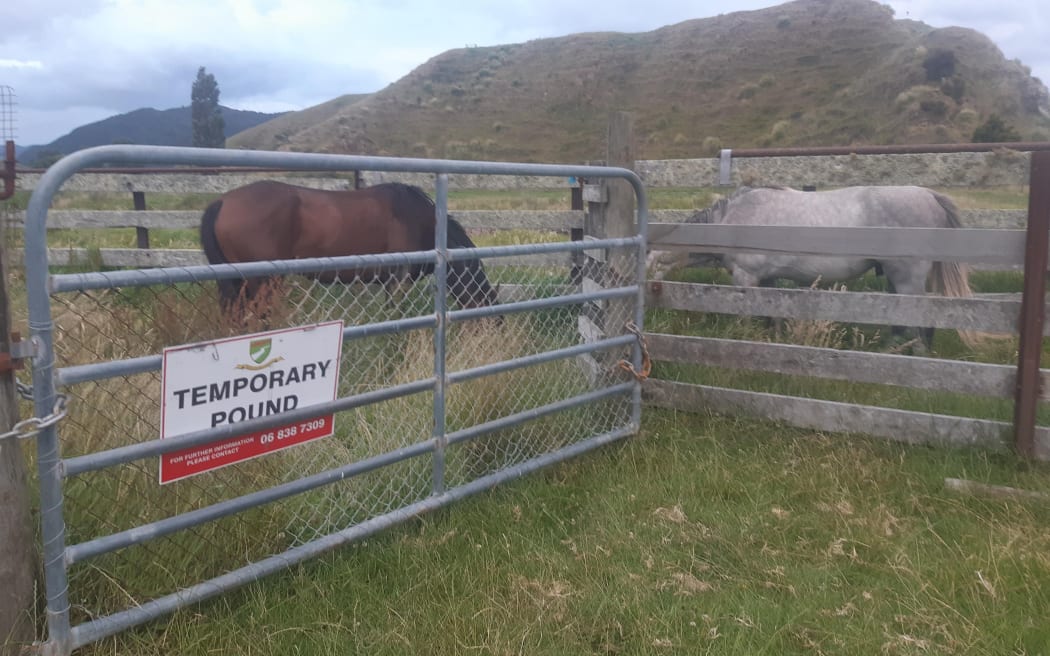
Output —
(433, 403)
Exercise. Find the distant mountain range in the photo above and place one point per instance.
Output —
(156, 127)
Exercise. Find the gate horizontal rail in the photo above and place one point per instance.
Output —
(76, 282)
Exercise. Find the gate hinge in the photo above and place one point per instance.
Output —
(18, 352)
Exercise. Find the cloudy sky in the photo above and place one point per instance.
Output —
(72, 62)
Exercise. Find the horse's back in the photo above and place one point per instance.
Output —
(874, 206)
(258, 221)
(908, 207)
(270, 220)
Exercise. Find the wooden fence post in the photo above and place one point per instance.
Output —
(610, 213)
(576, 234)
(141, 234)
(1033, 303)
(17, 552)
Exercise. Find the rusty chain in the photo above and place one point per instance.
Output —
(647, 364)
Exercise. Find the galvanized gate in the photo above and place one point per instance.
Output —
(434, 403)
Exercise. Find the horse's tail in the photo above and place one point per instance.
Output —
(458, 237)
(229, 290)
(953, 278)
(467, 278)
(209, 243)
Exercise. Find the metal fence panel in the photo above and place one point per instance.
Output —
(434, 402)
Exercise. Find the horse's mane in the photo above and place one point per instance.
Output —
(716, 212)
(406, 193)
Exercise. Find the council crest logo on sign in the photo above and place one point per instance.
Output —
(260, 349)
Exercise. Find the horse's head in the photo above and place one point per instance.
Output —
(470, 286)
(713, 214)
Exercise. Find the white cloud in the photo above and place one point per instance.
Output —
(16, 63)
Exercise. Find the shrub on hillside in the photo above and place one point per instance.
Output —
(939, 64)
(995, 130)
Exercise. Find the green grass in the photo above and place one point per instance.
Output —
(701, 535)
(1005, 198)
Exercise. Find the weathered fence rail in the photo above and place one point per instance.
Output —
(958, 376)
(835, 417)
(670, 233)
(991, 315)
(553, 220)
(957, 244)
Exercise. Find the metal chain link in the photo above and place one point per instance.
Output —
(25, 391)
(30, 427)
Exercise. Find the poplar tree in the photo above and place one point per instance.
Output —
(208, 124)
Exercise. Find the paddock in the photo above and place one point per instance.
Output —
(591, 284)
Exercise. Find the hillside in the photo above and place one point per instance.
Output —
(810, 72)
(169, 127)
(276, 132)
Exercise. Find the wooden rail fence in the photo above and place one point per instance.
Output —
(991, 237)
(958, 169)
(998, 315)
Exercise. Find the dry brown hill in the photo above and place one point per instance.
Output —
(274, 134)
(809, 72)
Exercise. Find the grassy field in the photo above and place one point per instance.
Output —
(702, 535)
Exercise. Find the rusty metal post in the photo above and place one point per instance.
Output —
(1033, 304)
(141, 234)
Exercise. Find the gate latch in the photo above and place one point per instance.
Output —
(18, 353)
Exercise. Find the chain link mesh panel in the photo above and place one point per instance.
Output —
(120, 323)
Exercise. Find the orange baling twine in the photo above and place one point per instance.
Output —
(647, 364)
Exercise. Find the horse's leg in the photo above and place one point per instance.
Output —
(744, 278)
(256, 300)
(776, 323)
(909, 277)
(230, 296)
(396, 283)
(897, 333)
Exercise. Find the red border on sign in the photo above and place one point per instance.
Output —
(195, 460)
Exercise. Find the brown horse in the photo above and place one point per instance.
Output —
(275, 221)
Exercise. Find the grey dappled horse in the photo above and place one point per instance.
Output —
(905, 207)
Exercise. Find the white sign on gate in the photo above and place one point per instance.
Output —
(228, 381)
